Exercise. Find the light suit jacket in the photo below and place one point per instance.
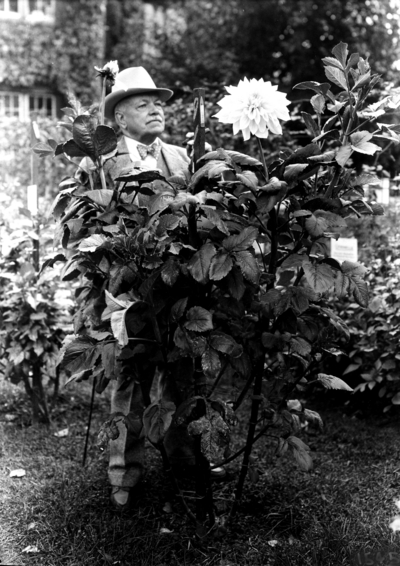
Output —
(172, 160)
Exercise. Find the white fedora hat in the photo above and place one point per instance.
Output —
(131, 81)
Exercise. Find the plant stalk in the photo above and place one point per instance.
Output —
(250, 437)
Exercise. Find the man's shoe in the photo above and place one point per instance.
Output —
(217, 473)
(121, 497)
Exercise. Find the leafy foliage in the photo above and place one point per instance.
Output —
(371, 357)
(33, 313)
(226, 269)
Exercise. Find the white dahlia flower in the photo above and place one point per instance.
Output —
(255, 107)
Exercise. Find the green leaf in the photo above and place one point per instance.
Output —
(311, 124)
(359, 142)
(301, 453)
(352, 268)
(210, 170)
(157, 419)
(314, 418)
(300, 346)
(198, 320)
(81, 354)
(138, 175)
(221, 264)
(178, 309)
(170, 271)
(91, 243)
(341, 52)
(210, 362)
(199, 264)
(275, 302)
(105, 140)
(115, 304)
(83, 131)
(118, 327)
(109, 358)
(249, 179)
(202, 427)
(225, 344)
(244, 160)
(103, 197)
(236, 285)
(43, 149)
(215, 219)
(50, 262)
(318, 103)
(333, 382)
(331, 61)
(360, 291)
(343, 154)
(362, 80)
(242, 241)
(316, 225)
(342, 284)
(160, 202)
(319, 276)
(294, 171)
(336, 76)
(166, 222)
(248, 266)
(320, 88)
(72, 149)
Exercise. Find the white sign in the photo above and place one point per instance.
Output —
(344, 249)
(32, 199)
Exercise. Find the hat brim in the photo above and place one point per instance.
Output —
(113, 98)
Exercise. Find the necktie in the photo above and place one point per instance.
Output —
(145, 150)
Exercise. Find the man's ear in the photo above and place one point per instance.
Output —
(120, 119)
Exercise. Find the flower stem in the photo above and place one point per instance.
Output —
(263, 159)
(103, 100)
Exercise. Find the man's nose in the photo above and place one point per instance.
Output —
(154, 109)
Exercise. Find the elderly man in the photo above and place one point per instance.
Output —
(136, 105)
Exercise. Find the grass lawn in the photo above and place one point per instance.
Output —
(58, 514)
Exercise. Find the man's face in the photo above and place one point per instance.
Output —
(141, 117)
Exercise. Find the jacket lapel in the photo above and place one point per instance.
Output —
(175, 158)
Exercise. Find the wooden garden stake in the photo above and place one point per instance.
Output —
(32, 193)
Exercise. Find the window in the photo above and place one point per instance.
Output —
(22, 106)
(10, 105)
(33, 9)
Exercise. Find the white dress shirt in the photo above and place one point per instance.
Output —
(150, 162)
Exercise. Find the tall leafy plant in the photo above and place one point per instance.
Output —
(33, 322)
(226, 270)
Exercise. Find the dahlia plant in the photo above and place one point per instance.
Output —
(225, 271)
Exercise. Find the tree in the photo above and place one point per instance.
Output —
(276, 39)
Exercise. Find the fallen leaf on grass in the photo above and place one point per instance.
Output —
(31, 549)
(17, 473)
(62, 433)
(272, 542)
(10, 418)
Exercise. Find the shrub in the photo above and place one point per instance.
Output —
(33, 308)
(221, 275)
(372, 355)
